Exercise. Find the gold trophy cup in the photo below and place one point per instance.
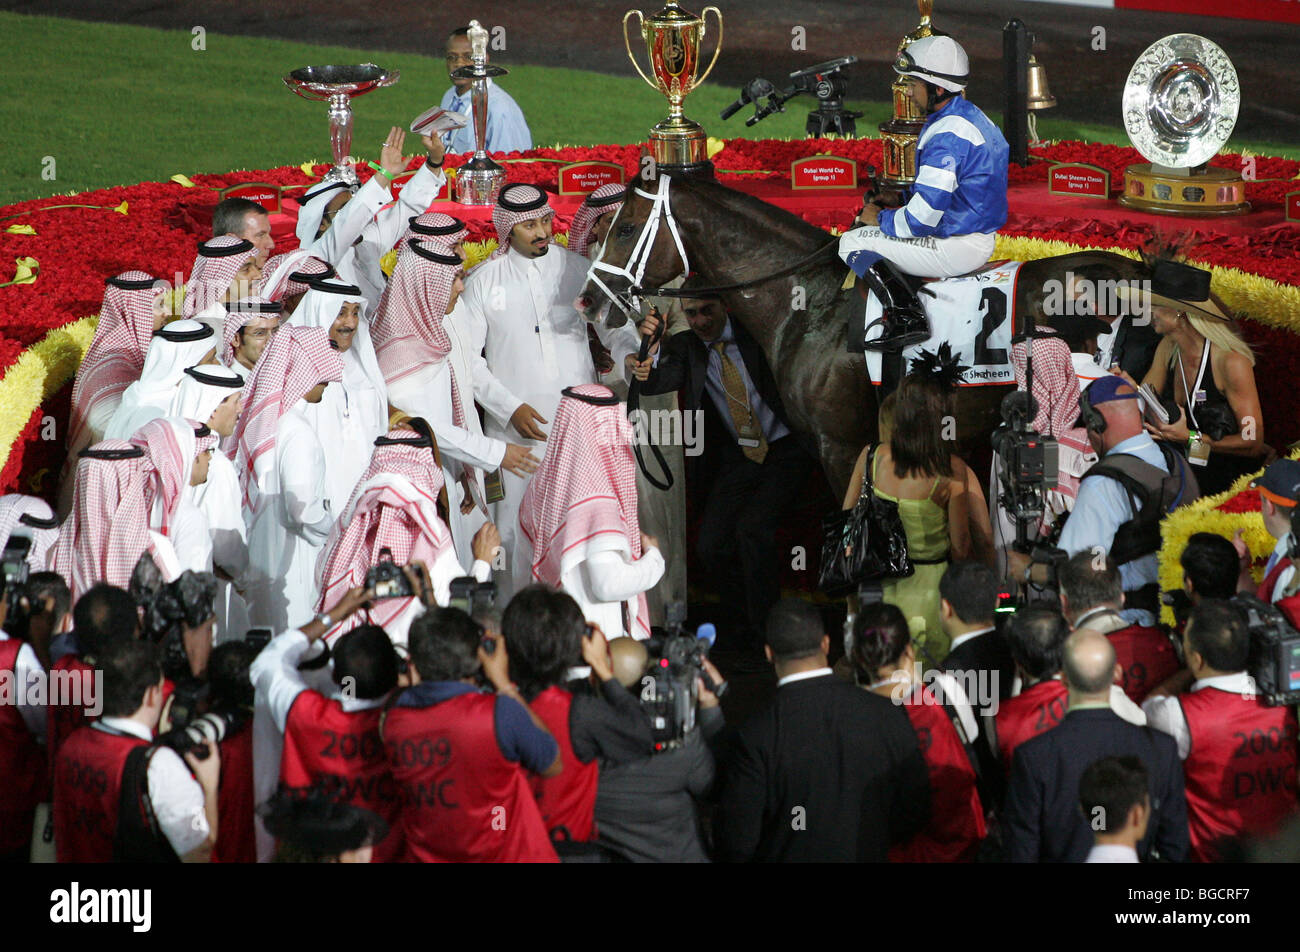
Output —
(899, 135)
(673, 38)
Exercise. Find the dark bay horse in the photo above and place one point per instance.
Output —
(730, 238)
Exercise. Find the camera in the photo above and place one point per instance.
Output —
(13, 563)
(1029, 463)
(386, 578)
(676, 661)
(192, 736)
(473, 597)
(1274, 651)
(826, 82)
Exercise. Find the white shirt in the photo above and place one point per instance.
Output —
(962, 639)
(773, 429)
(360, 265)
(1166, 713)
(176, 796)
(803, 676)
(27, 673)
(350, 221)
(277, 682)
(1112, 853)
(1284, 577)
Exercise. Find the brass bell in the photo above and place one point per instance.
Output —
(1040, 97)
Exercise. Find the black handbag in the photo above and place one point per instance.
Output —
(864, 544)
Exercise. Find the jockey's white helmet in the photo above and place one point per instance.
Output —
(936, 59)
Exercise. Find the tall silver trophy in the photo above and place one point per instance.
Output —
(339, 85)
(480, 179)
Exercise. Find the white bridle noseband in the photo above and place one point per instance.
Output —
(661, 209)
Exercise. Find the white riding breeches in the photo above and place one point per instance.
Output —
(926, 257)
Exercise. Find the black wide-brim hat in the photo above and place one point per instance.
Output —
(1179, 286)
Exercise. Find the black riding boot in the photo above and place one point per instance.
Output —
(904, 320)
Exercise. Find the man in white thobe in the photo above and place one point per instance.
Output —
(430, 374)
(353, 414)
(281, 464)
(518, 311)
(176, 346)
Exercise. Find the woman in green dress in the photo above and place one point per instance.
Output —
(915, 468)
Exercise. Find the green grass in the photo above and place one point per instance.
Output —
(115, 105)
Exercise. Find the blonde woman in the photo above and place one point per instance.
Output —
(1203, 366)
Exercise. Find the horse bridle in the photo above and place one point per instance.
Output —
(629, 302)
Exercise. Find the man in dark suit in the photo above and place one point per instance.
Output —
(1042, 819)
(752, 467)
(978, 654)
(828, 772)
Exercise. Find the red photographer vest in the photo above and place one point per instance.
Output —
(342, 750)
(956, 824)
(23, 769)
(61, 720)
(1240, 771)
(1147, 657)
(569, 800)
(87, 793)
(462, 801)
(1265, 591)
(1028, 714)
(235, 809)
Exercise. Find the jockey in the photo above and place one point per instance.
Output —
(958, 202)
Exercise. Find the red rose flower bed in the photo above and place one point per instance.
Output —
(77, 248)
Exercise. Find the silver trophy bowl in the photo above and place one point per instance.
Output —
(337, 85)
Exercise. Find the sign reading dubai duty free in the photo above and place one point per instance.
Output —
(583, 178)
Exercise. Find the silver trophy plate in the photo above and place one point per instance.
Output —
(1181, 101)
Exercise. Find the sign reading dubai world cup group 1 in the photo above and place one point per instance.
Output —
(823, 171)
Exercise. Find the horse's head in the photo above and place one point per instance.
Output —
(643, 249)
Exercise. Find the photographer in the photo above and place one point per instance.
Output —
(646, 809)
(1279, 489)
(462, 755)
(596, 723)
(1091, 597)
(232, 700)
(1122, 497)
(172, 810)
(1227, 737)
(22, 740)
(104, 616)
(332, 739)
(311, 827)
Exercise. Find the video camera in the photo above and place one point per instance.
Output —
(676, 661)
(13, 565)
(825, 81)
(1274, 651)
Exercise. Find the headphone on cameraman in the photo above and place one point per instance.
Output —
(1093, 421)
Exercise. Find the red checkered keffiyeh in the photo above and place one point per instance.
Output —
(607, 198)
(32, 517)
(170, 445)
(517, 203)
(108, 528)
(582, 499)
(286, 275)
(116, 355)
(435, 228)
(218, 261)
(407, 330)
(395, 505)
(296, 360)
(1056, 388)
(239, 315)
